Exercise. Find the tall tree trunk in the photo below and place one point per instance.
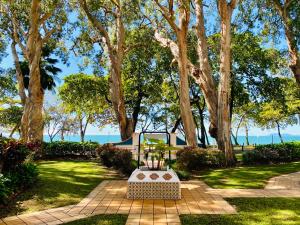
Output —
(184, 96)
(116, 54)
(35, 93)
(247, 134)
(62, 136)
(202, 127)
(81, 129)
(21, 90)
(224, 122)
(14, 130)
(176, 125)
(184, 87)
(205, 80)
(235, 139)
(290, 38)
(279, 133)
(34, 103)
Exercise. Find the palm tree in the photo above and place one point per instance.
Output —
(48, 70)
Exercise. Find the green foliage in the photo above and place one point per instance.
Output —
(24, 176)
(48, 69)
(197, 159)
(5, 191)
(16, 173)
(8, 88)
(62, 149)
(120, 159)
(10, 116)
(84, 93)
(13, 154)
(273, 153)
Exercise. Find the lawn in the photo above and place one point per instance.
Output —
(245, 176)
(60, 183)
(101, 220)
(262, 211)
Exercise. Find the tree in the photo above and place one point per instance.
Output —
(84, 95)
(58, 121)
(218, 104)
(10, 118)
(31, 33)
(279, 20)
(289, 12)
(102, 17)
(279, 113)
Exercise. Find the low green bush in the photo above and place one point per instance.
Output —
(272, 153)
(118, 158)
(16, 173)
(65, 149)
(5, 190)
(197, 159)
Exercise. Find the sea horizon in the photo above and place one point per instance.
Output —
(113, 138)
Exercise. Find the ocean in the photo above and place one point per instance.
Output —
(102, 139)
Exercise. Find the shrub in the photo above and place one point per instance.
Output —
(120, 159)
(5, 191)
(273, 153)
(13, 154)
(197, 158)
(60, 149)
(23, 176)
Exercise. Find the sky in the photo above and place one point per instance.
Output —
(73, 67)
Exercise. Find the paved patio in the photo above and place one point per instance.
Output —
(109, 197)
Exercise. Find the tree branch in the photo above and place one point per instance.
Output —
(168, 16)
(96, 24)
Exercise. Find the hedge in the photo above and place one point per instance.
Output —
(197, 158)
(120, 159)
(273, 153)
(16, 173)
(65, 149)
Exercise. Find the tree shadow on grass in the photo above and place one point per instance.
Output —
(58, 185)
(245, 177)
(267, 211)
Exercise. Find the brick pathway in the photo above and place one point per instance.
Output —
(109, 197)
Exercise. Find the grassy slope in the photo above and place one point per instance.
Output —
(60, 183)
(262, 211)
(101, 220)
(246, 176)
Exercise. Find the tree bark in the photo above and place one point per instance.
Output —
(184, 87)
(224, 122)
(14, 130)
(279, 133)
(21, 90)
(247, 134)
(290, 38)
(35, 91)
(116, 54)
(176, 125)
(205, 80)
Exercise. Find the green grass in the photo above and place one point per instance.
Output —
(246, 176)
(101, 220)
(60, 183)
(251, 211)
